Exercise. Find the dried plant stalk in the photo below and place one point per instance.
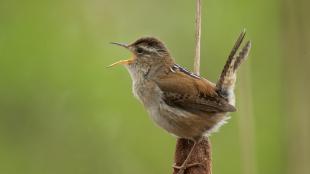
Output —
(202, 152)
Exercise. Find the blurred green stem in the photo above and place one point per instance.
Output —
(296, 52)
(246, 122)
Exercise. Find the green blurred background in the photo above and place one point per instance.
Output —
(63, 112)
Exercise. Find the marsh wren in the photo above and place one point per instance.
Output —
(177, 100)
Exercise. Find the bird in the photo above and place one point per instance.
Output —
(181, 102)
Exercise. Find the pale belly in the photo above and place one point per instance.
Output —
(184, 124)
(175, 120)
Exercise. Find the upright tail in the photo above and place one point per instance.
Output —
(226, 83)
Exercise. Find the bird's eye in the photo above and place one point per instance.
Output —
(139, 50)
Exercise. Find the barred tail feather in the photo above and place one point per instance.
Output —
(227, 79)
(230, 61)
(243, 54)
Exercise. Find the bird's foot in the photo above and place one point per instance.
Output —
(183, 167)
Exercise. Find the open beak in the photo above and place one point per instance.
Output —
(123, 62)
(120, 44)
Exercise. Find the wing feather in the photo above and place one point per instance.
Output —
(195, 95)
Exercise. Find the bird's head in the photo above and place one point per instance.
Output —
(146, 51)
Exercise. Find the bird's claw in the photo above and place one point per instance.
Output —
(182, 168)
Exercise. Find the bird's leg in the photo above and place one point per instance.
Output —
(184, 165)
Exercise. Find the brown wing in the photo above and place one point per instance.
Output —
(191, 93)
